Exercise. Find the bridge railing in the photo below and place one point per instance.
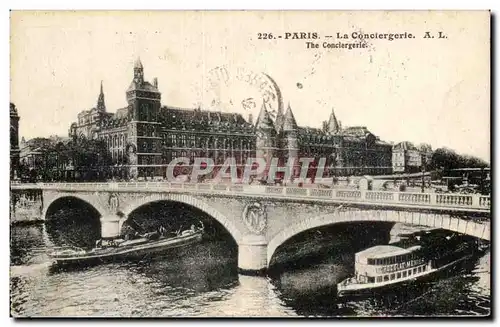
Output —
(472, 201)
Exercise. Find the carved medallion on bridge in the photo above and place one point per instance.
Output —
(255, 217)
(113, 202)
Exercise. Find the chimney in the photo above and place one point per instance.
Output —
(155, 82)
(250, 118)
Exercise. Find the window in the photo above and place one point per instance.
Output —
(182, 140)
(371, 261)
(414, 270)
(404, 273)
(386, 278)
(392, 276)
(409, 272)
(379, 279)
(371, 279)
(398, 275)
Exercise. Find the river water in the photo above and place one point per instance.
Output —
(204, 281)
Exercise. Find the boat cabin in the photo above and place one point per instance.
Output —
(383, 263)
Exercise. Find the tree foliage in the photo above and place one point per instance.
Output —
(446, 159)
(84, 158)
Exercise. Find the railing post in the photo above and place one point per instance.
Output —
(433, 198)
(363, 194)
(395, 196)
(475, 200)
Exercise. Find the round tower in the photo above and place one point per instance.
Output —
(290, 144)
(265, 145)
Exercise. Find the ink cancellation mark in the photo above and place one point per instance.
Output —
(242, 90)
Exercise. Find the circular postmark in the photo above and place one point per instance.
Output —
(255, 217)
(242, 91)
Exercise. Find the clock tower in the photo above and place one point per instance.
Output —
(143, 143)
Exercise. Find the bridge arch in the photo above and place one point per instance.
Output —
(72, 219)
(87, 198)
(468, 227)
(191, 201)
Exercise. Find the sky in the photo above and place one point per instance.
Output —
(434, 91)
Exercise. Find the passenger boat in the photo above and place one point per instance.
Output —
(148, 244)
(385, 266)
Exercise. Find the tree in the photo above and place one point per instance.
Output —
(446, 159)
(86, 159)
(91, 158)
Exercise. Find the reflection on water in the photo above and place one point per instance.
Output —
(203, 280)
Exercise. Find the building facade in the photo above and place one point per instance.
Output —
(145, 136)
(14, 142)
(408, 158)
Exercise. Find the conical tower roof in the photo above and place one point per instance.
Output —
(100, 100)
(333, 124)
(138, 63)
(278, 122)
(289, 122)
(264, 122)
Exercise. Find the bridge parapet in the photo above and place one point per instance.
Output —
(464, 202)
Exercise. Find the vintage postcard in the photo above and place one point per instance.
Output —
(250, 164)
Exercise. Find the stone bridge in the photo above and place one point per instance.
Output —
(261, 218)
